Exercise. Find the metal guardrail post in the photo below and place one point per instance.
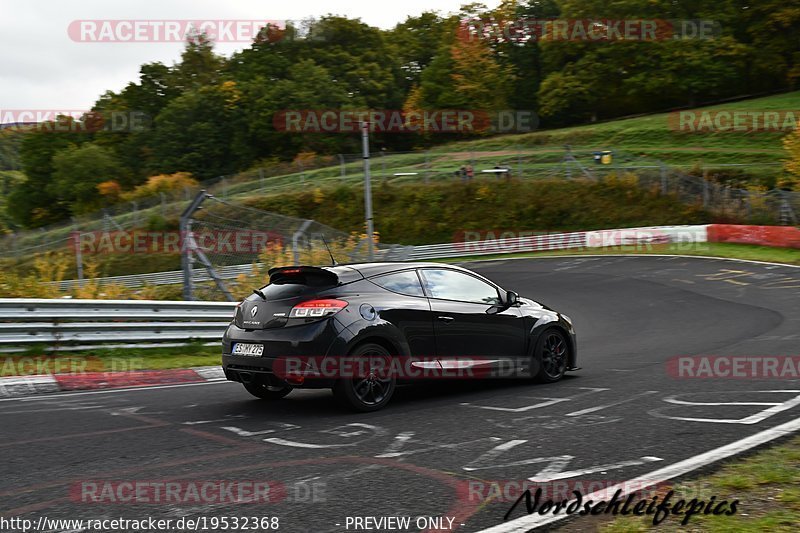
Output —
(187, 258)
(368, 192)
(76, 234)
(296, 240)
(192, 250)
(787, 214)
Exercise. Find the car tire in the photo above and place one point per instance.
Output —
(550, 359)
(369, 392)
(267, 392)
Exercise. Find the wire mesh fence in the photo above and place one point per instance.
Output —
(221, 236)
(268, 238)
(419, 167)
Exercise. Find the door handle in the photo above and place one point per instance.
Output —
(445, 318)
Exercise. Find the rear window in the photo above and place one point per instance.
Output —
(294, 285)
(283, 290)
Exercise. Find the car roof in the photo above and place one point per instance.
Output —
(374, 269)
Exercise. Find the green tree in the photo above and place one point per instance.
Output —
(77, 170)
(358, 56)
(34, 202)
(196, 132)
(464, 74)
(308, 86)
(199, 65)
(565, 98)
(414, 42)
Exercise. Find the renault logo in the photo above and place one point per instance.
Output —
(254, 311)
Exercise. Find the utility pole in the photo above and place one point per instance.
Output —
(367, 191)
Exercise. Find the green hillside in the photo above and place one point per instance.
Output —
(636, 142)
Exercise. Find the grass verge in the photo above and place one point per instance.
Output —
(767, 485)
(789, 256)
(39, 362)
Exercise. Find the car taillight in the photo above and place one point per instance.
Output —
(317, 308)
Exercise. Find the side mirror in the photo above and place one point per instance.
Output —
(511, 298)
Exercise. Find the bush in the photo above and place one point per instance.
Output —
(434, 213)
(166, 183)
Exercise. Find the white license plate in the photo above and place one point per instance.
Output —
(252, 350)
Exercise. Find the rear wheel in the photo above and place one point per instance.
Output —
(551, 356)
(373, 386)
(267, 392)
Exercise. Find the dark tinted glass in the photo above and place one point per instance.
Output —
(300, 284)
(452, 285)
(402, 282)
(281, 291)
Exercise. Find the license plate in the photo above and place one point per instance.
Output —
(252, 350)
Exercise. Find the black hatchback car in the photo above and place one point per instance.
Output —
(361, 329)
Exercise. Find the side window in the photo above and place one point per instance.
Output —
(452, 285)
(402, 282)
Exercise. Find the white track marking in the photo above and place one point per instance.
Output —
(553, 473)
(606, 406)
(774, 409)
(227, 418)
(545, 403)
(529, 522)
(244, 433)
(376, 431)
(494, 453)
(394, 448)
(114, 391)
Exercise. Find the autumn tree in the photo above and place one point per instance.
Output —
(791, 143)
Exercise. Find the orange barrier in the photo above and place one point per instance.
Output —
(780, 236)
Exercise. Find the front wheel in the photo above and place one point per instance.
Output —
(552, 351)
(267, 392)
(373, 386)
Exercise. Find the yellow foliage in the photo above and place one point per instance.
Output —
(110, 189)
(483, 192)
(232, 93)
(626, 179)
(162, 183)
(49, 269)
(413, 105)
(791, 143)
(305, 157)
(277, 254)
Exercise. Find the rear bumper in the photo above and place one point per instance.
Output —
(319, 339)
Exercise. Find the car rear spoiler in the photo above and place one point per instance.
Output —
(310, 275)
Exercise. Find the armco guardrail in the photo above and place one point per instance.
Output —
(80, 324)
(67, 324)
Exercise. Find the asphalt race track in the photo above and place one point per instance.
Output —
(622, 416)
